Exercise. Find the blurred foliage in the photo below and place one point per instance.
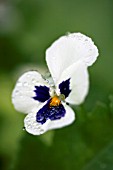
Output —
(27, 28)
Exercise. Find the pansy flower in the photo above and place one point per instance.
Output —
(45, 101)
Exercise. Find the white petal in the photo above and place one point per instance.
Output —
(24, 91)
(36, 128)
(69, 49)
(33, 127)
(64, 121)
(79, 82)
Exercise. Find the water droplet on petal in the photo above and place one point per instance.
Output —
(27, 118)
(25, 84)
(33, 81)
(86, 39)
(29, 127)
(28, 75)
(19, 84)
(36, 128)
(21, 96)
(68, 33)
(23, 128)
(41, 131)
(17, 92)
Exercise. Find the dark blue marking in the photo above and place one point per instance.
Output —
(42, 93)
(65, 87)
(52, 113)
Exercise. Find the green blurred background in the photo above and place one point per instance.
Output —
(27, 28)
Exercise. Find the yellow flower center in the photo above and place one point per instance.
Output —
(55, 101)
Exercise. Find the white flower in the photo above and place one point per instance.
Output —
(45, 102)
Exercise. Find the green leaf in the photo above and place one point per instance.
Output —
(104, 160)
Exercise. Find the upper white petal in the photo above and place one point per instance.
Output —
(69, 49)
(24, 91)
(35, 128)
(79, 82)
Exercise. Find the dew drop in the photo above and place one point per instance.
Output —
(19, 84)
(47, 81)
(33, 81)
(36, 128)
(24, 128)
(28, 75)
(68, 33)
(27, 118)
(41, 131)
(25, 84)
(86, 39)
(29, 126)
(21, 96)
(16, 92)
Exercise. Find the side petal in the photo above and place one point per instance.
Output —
(69, 49)
(79, 82)
(35, 128)
(24, 96)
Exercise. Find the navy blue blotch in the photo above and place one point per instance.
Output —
(52, 113)
(65, 87)
(42, 93)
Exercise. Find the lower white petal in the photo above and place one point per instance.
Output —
(35, 128)
(24, 91)
(32, 126)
